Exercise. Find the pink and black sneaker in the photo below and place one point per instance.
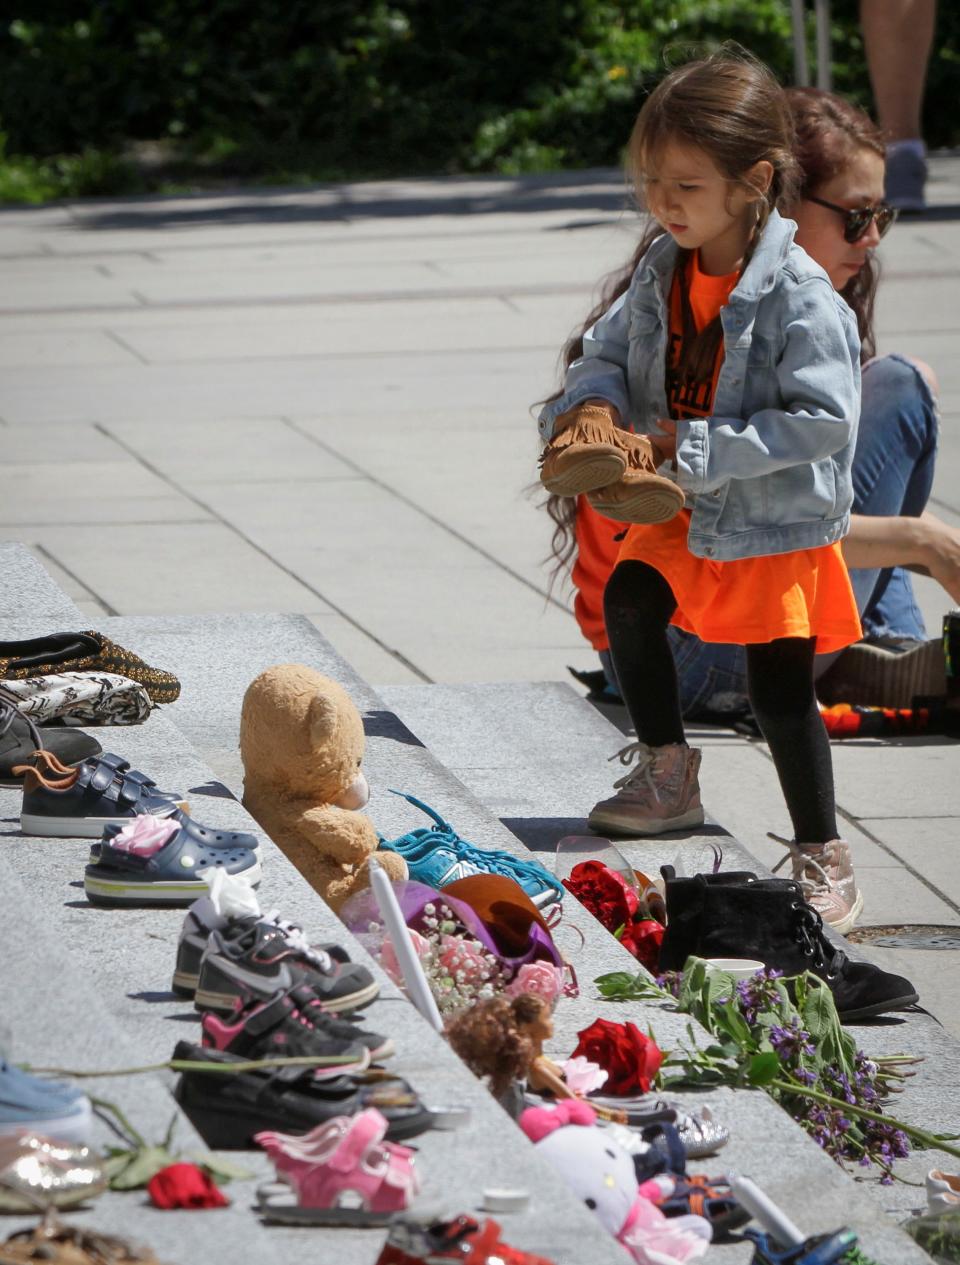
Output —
(279, 1028)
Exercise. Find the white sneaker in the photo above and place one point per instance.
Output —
(660, 793)
(943, 1192)
(825, 874)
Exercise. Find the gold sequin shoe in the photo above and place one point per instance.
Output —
(83, 652)
(56, 1243)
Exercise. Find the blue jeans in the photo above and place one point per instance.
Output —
(893, 467)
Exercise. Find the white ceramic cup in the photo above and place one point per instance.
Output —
(739, 968)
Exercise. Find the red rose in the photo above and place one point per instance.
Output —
(643, 940)
(602, 891)
(184, 1186)
(630, 1059)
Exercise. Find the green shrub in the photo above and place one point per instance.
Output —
(353, 88)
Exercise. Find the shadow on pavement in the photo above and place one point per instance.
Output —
(577, 192)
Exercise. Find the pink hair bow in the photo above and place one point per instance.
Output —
(538, 1122)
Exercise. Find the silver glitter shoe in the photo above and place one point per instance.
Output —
(37, 1173)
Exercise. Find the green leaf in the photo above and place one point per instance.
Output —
(221, 1169)
(763, 1068)
(819, 1014)
(143, 1164)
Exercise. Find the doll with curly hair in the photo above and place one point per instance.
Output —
(501, 1041)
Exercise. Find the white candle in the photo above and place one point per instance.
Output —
(418, 990)
(762, 1208)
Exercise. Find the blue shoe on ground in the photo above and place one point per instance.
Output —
(436, 856)
(40, 1106)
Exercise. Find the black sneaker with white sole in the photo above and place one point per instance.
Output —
(258, 960)
(202, 919)
(79, 803)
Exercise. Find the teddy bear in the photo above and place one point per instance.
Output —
(302, 742)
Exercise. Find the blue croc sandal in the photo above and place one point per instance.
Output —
(206, 836)
(436, 856)
(169, 877)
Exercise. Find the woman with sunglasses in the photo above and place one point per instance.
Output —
(841, 217)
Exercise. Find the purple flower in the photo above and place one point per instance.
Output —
(791, 1042)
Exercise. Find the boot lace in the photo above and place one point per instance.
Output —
(294, 935)
(810, 886)
(642, 775)
(809, 934)
(9, 713)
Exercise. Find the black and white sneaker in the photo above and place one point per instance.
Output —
(229, 902)
(257, 959)
(79, 803)
(21, 740)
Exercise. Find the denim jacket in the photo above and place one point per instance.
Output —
(769, 471)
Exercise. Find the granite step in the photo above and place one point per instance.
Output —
(208, 712)
(536, 754)
(216, 657)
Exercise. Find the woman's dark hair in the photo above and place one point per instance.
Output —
(827, 132)
(830, 131)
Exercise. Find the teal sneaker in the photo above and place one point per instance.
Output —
(436, 856)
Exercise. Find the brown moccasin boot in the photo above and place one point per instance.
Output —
(640, 495)
(588, 453)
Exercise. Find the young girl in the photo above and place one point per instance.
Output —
(737, 363)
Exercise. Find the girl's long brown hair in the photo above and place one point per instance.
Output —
(823, 132)
(731, 107)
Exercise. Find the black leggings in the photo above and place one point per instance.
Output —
(638, 604)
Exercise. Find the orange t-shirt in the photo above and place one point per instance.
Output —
(805, 593)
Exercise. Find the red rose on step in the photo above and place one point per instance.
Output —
(630, 1059)
(643, 939)
(184, 1186)
(602, 891)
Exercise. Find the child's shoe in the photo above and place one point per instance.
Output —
(640, 495)
(943, 1192)
(825, 874)
(436, 855)
(661, 793)
(341, 1173)
(461, 1240)
(586, 454)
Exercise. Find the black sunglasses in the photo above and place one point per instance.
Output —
(857, 221)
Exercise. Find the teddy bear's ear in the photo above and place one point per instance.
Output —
(322, 719)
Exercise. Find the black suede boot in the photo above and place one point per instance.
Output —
(740, 915)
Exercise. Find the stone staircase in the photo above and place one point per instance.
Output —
(89, 988)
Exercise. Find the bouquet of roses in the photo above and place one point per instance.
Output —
(621, 909)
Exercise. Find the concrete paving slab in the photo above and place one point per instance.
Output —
(501, 378)
(441, 325)
(194, 453)
(930, 844)
(62, 441)
(81, 493)
(76, 347)
(877, 784)
(162, 555)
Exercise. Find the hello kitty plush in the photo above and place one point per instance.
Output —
(597, 1168)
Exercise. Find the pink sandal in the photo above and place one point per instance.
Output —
(340, 1173)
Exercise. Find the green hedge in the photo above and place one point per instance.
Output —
(351, 88)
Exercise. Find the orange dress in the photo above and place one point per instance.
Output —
(806, 593)
(598, 544)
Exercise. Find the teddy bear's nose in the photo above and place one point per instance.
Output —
(356, 794)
